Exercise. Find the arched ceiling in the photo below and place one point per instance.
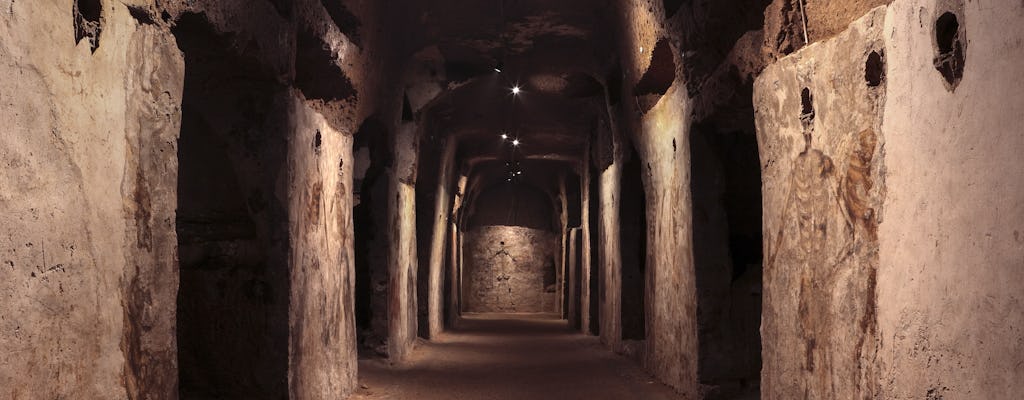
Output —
(552, 50)
(527, 36)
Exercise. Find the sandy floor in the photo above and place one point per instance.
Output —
(510, 357)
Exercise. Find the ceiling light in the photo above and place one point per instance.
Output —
(504, 136)
(515, 89)
(515, 142)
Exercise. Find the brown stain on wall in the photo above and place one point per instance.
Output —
(814, 170)
(314, 195)
(832, 262)
(857, 184)
(142, 206)
(150, 281)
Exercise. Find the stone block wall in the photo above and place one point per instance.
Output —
(506, 270)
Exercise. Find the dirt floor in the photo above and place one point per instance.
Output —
(515, 357)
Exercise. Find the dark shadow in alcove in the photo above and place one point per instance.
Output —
(370, 229)
(727, 247)
(233, 235)
(596, 277)
(633, 234)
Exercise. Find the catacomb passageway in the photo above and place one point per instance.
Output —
(511, 199)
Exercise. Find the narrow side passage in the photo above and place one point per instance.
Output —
(510, 356)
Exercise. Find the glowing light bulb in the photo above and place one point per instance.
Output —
(515, 142)
(504, 136)
(515, 89)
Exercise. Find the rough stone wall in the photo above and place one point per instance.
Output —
(438, 250)
(84, 206)
(585, 252)
(460, 262)
(573, 274)
(792, 24)
(562, 247)
(452, 309)
(455, 301)
(401, 249)
(819, 130)
(919, 239)
(610, 248)
(656, 116)
(151, 128)
(90, 204)
(671, 340)
(826, 19)
(506, 267)
(950, 282)
(322, 362)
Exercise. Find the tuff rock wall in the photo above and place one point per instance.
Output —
(654, 113)
(821, 142)
(91, 200)
(890, 248)
(950, 314)
(87, 194)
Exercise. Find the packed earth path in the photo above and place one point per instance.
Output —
(510, 356)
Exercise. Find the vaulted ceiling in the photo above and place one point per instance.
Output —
(554, 51)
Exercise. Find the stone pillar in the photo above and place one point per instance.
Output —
(152, 125)
(322, 350)
(584, 276)
(435, 296)
(611, 251)
(455, 267)
(574, 304)
(459, 264)
(561, 258)
(671, 352)
(402, 244)
(560, 273)
(951, 227)
(824, 182)
(453, 274)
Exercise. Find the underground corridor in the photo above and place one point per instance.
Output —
(511, 199)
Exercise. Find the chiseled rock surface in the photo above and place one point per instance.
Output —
(818, 121)
(951, 282)
(88, 135)
(89, 193)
